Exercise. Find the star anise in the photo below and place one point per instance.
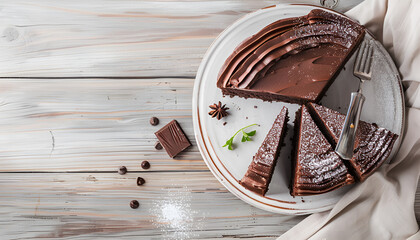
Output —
(218, 110)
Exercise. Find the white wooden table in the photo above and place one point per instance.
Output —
(79, 81)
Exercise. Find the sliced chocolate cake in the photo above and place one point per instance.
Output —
(317, 168)
(258, 176)
(373, 144)
(291, 60)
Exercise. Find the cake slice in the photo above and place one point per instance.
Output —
(291, 60)
(373, 144)
(258, 176)
(317, 168)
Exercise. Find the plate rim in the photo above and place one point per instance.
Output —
(203, 148)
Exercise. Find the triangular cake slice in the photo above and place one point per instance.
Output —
(317, 168)
(258, 176)
(373, 144)
(291, 60)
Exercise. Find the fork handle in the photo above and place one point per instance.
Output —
(345, 144)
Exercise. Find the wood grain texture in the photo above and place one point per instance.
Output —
(92, 124)
(172, 206)
(94, 38)
(79, 81)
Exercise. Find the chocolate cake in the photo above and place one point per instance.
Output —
(291, 60)
(258, 176)
(317, 168)
(373, 144)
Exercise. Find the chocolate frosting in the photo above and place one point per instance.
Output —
(293, 59)
(373, 144)
(258, 176)
(317, 168)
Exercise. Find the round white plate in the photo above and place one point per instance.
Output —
(384, 105)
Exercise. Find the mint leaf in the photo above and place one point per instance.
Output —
(246, 137)
(252, 133)
(244, 133)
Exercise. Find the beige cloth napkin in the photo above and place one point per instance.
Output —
(383, 206)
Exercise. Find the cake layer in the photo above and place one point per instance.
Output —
(373, 144)
(316, 167)
(292, 60)
(258, 176)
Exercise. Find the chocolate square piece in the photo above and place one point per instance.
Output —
(172, 138)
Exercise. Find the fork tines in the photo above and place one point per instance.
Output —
(363, 63)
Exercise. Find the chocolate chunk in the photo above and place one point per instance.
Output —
(134, 204)
(145, 165)
(172, 138)
(140, 181)
(154, 121)
(158, 146)
(122, 170)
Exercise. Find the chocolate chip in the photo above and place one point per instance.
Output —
(158, 146)
(134, 204)
(154, 121)
(140, 181)
(122, 170)
(224, 123)
(145, 165)
(255, 106)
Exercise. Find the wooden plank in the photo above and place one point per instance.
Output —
(48, 38)
(96, 205)
(92, 124)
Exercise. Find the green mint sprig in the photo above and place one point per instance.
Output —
(246, 136)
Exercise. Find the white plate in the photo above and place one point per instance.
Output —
(384, 105)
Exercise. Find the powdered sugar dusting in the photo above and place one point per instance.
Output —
(317, 162)
(174, 215)
(371, 144)
(267, 152)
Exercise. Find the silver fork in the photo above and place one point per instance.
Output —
(362, 70)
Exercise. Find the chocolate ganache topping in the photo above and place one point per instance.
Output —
(292, 60)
